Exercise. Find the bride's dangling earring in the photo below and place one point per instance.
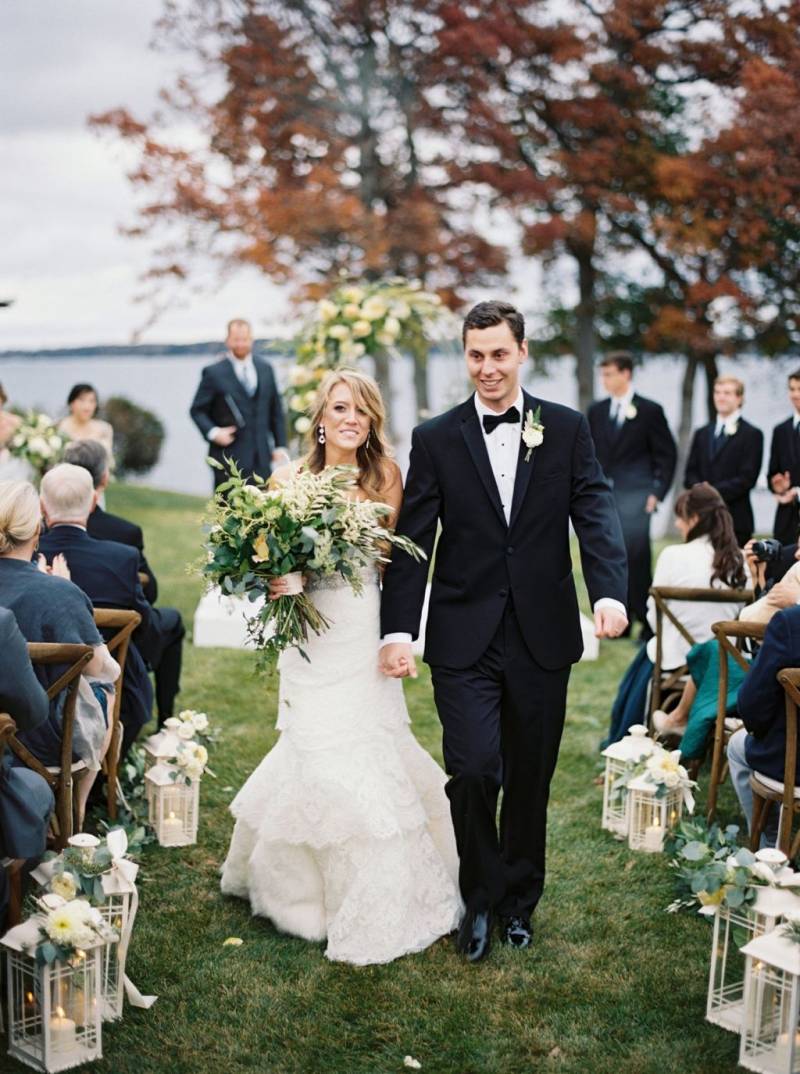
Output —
(321, 435)
(368, 441)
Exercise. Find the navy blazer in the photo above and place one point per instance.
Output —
(784, 455)
(481, 560)
(733, 470)
(21, 694)
(107, 527)
(641, 455)
(761, 701)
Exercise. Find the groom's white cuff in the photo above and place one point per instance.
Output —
(609, 602)
(391, 638)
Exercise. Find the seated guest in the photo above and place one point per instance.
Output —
(26, 800)
(761, 744)
(108, 573)
(81, 423)
(92, 456)
(47, 608)
(709, 556)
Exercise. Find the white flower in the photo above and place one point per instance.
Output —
(361, 328)
(400, 310)
(352, 311)
(386, 339)
(39, 446)
(302, 425)
(339, 331)
(671, 779)
(63, 884)
(55, 443)
(194, 770)
(411, 1063)
(200, 721)
(532, 432)
(186, 731)
(172, 722)
(731, 428)
(631, 412)
(374, 308)
(533, 438)
(327, 309)
(296, 402)
(352, 294)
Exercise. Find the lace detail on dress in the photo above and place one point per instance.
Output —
(316, 582)
(343, 831)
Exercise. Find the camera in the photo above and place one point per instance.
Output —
(766, 551)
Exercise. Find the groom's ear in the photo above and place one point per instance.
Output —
(523, 350)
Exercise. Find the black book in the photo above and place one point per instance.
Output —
(238, 417)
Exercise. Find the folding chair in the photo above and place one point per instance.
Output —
(12, 866)
(124, 622)
(767, 790)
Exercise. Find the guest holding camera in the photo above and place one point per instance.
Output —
(727, 454)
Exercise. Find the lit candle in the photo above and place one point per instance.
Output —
(783, 1048)
(62, 1031)
(171, 829)
(654, 838)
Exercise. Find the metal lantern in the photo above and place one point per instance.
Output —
(160, 747)
(732, 930)
(650, 818)
(619, 755)
(770, 1042)
(54, 1017)
(174, 806)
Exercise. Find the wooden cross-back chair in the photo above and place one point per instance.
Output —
(124, 622)
(13, 866)
(59, 777)
(731, 637)
(767, 790)
(668, 685)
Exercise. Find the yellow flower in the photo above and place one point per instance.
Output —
(260, 549)
(63, 884)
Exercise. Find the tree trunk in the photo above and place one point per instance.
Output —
(584, 330)
(381, 362)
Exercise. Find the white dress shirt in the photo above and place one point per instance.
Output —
(502, 447)
(730, 420)
(619, 406)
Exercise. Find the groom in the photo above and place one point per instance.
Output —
(503, 474)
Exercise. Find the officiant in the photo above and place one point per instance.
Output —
(237, 408)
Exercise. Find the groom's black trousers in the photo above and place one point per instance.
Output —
(502, 720)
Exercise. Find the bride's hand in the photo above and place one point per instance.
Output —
(285, 585)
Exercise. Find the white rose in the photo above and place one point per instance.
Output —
(327, 309)
(39, 446)
(533, 438)
(186, 731)
(339, 331)
(391, 324)
(352, 311)
(200, 721)
(172, 722)
(296, 402)
(671, 779)
(631, 412)
(352, 294)
(361, 329)
(374, 308)
(401, 310)
(731, 428)
(193, 770)
(302, 425)
(55, 443)
(199, 754)
(63, 884)
(386, 339)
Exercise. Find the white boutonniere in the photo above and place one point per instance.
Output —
(631, 412)
(731, 428)
(532, 431)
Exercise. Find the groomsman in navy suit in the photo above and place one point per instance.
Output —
(237, 407)
(638, 455)
(727, 453)
(783, 472)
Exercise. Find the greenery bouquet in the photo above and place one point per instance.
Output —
(311, 525)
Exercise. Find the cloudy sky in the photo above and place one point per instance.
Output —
(63, 192)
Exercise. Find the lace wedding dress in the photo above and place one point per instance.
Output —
(343, 832)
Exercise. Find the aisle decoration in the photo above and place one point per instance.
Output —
(657, 794)
(173, 794)
(621, 760)
(187, 726)
(100, 872)
(770, 1042)
(355, 320)
(311, 525)
(54, 967)
(38, 442)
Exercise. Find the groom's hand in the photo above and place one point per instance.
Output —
(397, 660)
(609, 623)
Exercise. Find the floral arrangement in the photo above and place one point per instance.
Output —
(69, 925)
(77, 871)
(357, 320)
(663, 768)
(310, 525)
(191, 762)
(38, 441)
(190, 726)
(791, 926)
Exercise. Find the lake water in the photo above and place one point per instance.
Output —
(167, 383)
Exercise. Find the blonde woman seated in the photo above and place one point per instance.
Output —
(708, 557)
(49, 608)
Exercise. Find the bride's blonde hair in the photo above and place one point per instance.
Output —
(372, 455)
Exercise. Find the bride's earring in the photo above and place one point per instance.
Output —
(368, 441)
(321, 435)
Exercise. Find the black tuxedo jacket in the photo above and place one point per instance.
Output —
(107, 527)
(641, 455)
(785, 455)
(733, 471)
(264, 426)
(481, 561)
(108, 573)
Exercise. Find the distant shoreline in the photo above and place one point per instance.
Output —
(147, 350)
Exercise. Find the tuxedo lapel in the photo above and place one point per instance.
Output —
(473, 435)
(524, 469)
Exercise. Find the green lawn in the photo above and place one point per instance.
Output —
(612, 984)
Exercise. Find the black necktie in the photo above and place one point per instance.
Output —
(718, 441)
(491, 421)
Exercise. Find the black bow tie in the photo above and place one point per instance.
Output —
(491, 421)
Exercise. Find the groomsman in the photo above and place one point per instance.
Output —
(727, 453)
(237, 407)
(783, 472)
(638, 455)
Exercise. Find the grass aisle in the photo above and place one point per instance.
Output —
(613, 983)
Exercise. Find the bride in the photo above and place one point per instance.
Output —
(343, 832)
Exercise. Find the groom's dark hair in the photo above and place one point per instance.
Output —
(488, 314)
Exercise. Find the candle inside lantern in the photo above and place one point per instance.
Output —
(171, 826)
(62, 1031)
(654, 838)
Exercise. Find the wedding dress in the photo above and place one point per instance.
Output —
(343, 832)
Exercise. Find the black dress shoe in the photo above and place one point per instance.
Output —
(474, 937)
(516, 931)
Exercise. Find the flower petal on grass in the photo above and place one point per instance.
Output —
(232, 941)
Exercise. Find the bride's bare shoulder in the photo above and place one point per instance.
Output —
(392, 474)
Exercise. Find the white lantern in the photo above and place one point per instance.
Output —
(174, 806)
(162, 746)
(54, 1017)
(650, 817)
(732, 930)
(770, 1042)
(619, 755)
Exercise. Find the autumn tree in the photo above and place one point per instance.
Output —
(316, 158)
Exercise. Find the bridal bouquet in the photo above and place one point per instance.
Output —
(38, 441)
(312, 525)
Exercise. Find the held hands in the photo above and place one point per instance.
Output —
(609, 623)
(397, 660)
(225, 435)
